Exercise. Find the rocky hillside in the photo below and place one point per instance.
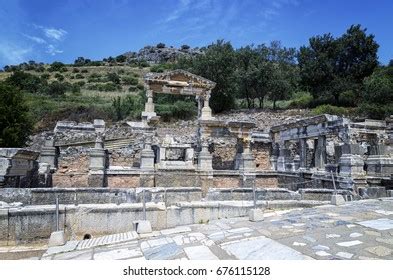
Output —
(161, 53)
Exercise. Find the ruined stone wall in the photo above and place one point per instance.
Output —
(266, 182)
(224, 156)
(226, 182)
(130, 158)
(261, 152)
(123, 181)
(70, 180)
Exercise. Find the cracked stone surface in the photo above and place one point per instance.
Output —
(357, 230)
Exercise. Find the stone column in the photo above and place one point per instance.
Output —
(350, 162)
(320, 152)
(98, 162)
(379, 163)
(147, 155)
(246, 159)
(205, 159)
(282, 158)
(49, 154)
(296, 163)
(303, 153)
(206, 110)
(149, 106)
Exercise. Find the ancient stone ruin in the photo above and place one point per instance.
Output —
(308, 159)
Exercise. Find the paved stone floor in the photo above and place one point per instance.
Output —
(356, 230)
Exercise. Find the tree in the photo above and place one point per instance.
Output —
(121, 58)
(56, 66)
(55, 89)
(15, 125)
(81, 61)
(218, 64)
(26, 81)
(390, 63)
(113, 77)
(330, 66)
(247, 67)
(378, 89)
(282, 71)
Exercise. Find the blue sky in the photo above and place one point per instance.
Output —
(48, 30)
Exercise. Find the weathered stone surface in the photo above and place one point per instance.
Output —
(57, 238)
(256, 215)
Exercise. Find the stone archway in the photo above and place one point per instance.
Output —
(178, 82)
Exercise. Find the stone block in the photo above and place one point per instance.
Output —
(57, 238)
(372, 192)
(143, 226)
(337, 199)
(255, 215)
(389, 193)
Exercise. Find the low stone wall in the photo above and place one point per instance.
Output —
(36, 223)
(44, 196)
(70, 180)
(247, 194)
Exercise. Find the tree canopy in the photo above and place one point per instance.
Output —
(15, 125)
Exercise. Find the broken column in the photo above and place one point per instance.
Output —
(48, 153)
(205, 159)
(98, 163)
(320, 153)
(147, 154)
(149, 112)
(282, 157)
(350, 162)
(206, 110)
(379, 163)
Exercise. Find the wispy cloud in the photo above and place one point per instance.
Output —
(57, 34)
(12, 53)
(209, 19)
(52, 50)
(35, 39)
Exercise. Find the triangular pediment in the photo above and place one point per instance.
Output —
(179, 78)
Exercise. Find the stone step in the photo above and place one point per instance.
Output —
(107, 240)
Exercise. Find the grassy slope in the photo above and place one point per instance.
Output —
(83, 106)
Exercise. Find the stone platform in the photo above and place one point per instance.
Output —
(356, 230)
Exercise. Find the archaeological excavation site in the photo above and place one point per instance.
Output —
(212, 179)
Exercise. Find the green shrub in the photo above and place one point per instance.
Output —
(81, 83)
(160, 45)
(75, 70)
(301, 99)
(79, 76)
(375, 111)
(55, 89)
(178, 110)
(128, 106)
(84, 71)
(132, 89)
(59, 77)
(15, 124)
(25, 81)
(57, 66)
(94, 78)
(348, 98)
(113, 77)
(128, 80)
(331, 110)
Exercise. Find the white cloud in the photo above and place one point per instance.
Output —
(56, 34)
(13, 54)
(52, 50)
(35, 39)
